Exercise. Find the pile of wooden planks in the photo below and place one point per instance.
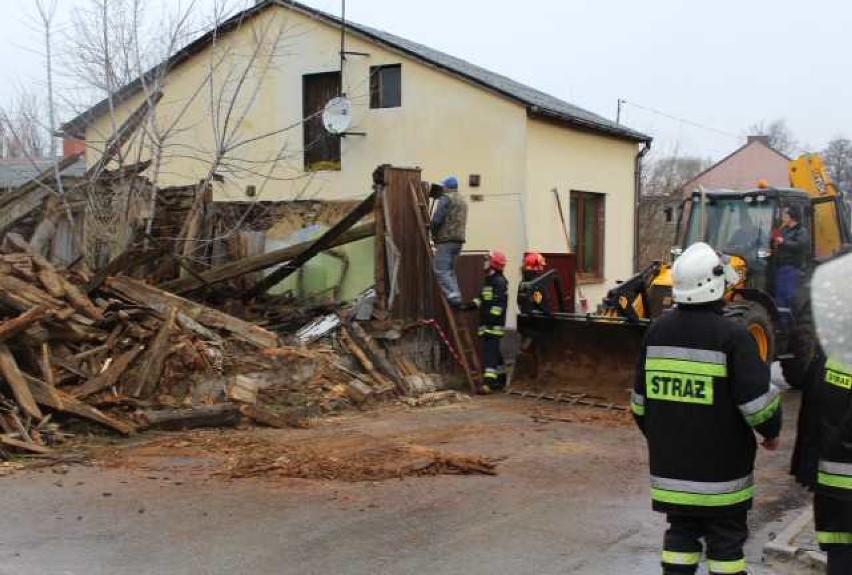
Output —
(102, 356)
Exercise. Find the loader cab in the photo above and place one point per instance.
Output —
(741, 224)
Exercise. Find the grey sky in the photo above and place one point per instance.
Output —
(723, 64)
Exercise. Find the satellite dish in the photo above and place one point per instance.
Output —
(337, 115)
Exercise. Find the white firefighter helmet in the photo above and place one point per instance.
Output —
(832, 304)
(700, 275)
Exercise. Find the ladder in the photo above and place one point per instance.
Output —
(465, 349)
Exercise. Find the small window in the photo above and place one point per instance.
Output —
(587, 233)
(386, 86)
(322, 149)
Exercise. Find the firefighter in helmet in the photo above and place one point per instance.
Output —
(701, 393)
(492, 303)
(822, 459)
(534, 266)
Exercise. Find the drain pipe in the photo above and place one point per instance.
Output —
(637, 185)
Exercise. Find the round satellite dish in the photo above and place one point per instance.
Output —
(337, 116)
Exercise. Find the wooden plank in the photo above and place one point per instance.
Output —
(22, 296)
(81, 301)
(374, 352)
(380, 256)
(219, 415)
(125, 261)
(122, 135)
(49, 277)
(242, 389)
(384, 384)
(260, 262)
(153, 362)
(13, 376)
(321, 244)
(45, 366)
(109, 376)
(154, 297)
(29, 196)
(12, 327)
(270, 418)
(60, 401)
(24, 445)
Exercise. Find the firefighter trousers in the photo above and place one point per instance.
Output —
(494, 371)
(833, 518)
(723, 535)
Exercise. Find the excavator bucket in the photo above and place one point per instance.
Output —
(573, 355)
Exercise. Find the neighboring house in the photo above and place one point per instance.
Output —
(512, 147)
(17, 171)
(742, 169)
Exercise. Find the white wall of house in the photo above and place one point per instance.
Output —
(445, 125)
(570, 160)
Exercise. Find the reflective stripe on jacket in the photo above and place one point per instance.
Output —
(833, 421)
(492, 301)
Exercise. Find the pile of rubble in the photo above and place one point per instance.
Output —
(127, 356)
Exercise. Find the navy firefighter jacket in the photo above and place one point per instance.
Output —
(701, 391)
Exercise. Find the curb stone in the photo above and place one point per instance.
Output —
(786, 546)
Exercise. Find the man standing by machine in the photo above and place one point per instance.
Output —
(492, 303)
(701, 391)
(792, 253)
(535, 299)
(449, 222)
(822, 459)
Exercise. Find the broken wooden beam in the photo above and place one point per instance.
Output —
(374, 352)
(12, 327)
(29, 446)
(81, 301)
(295, 417)
(117, 141)
(321, 244)
(109, 376)
(29, 196)
(384, 385)
(13, 376)
(260, 262)
(219, 415)
(153, 361)
(62, 402)
(156, 298)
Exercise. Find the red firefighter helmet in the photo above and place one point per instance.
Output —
(497, 260)
(534, 261)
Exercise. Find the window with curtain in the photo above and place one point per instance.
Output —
(587, 233)
(322, 149)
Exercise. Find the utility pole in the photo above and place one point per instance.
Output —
(618, 114)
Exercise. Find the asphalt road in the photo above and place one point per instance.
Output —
(570, 498)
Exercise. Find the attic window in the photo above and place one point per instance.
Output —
(386, 86)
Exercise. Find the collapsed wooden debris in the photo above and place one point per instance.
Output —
(62, 352)
(112, 350)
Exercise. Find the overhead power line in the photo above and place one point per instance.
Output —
(682, 120)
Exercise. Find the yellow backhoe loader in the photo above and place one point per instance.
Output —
(596, 353)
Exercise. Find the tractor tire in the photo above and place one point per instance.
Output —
(803, 340)
(757, 321)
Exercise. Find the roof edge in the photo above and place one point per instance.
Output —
(76, 126)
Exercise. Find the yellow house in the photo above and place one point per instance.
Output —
(245, 101)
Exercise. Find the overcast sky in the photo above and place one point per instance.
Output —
(720, 64)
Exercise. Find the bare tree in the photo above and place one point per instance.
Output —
(780, 135)
(838, 160)
(663, 179)
(23, 130)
